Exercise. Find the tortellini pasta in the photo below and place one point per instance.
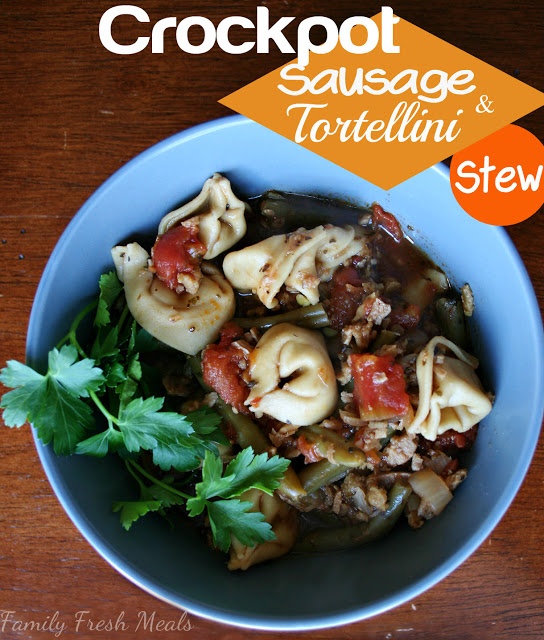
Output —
(218, 213)
(450, 393)
(300, 260)
(292, 375)
(187, 322)
(283, 520)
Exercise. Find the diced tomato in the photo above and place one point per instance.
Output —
(345, 296)
(373, 457)
(452, 442)
(407, 317)
(310, 450)
(379, 387)
(222, 365)
(230, 332)
(347, 275)
(177, 251)
(387, 221)
(451, 467)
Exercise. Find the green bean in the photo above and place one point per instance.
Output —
(329, 444)
(319, 474)
(291, 489)
(328, 332)
(287, 211)
(337, 538)
(276, 205)
(313, 316)
(384, 337)
(294, 211)
(390, 432)
(248, 433)
(195, 362)
(451, 318)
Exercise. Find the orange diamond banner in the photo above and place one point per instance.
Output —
(387, 116)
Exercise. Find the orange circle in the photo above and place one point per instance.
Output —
(500, 179)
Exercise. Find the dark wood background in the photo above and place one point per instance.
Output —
(71, 113)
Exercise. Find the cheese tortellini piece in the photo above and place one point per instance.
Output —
(283, 520)
(187, 322)
(218, 214)
(450, 392)
(292, 375)
(300, 260)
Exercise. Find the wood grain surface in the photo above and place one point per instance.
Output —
(71, 114)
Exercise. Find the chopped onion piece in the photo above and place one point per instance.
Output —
(422, 290)
(432, 490)
(438, 278)
(438, 461)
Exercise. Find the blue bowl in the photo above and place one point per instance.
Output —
(295, 592)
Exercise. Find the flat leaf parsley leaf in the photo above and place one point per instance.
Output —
(233, 518)
(158, 496)
(246, 471)
(110, 289)
(132, 511)
(170, 436)
(112, 378)
(52, 401)
(219, 493)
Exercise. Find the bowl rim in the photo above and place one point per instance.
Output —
(263, 622)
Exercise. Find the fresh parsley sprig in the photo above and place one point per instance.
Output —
(218, 494)
(64, 402)
(53, 401)
(57, 402)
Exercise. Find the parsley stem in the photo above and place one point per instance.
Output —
(123, 317)
(154, 480)
(135, 475)
(71, 336)
(110, 418)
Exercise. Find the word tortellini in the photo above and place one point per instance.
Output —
(187, 322)
(450, 392)
(300, 260)
(292, 375)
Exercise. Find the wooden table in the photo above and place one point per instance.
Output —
(71, 114)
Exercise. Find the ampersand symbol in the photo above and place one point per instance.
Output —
(485, 105)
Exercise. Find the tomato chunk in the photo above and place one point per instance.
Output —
(407, 317)
(178, 252)
(387, 221)
(310, 450)
(222, 365)
(345, 296)
(379, 387)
